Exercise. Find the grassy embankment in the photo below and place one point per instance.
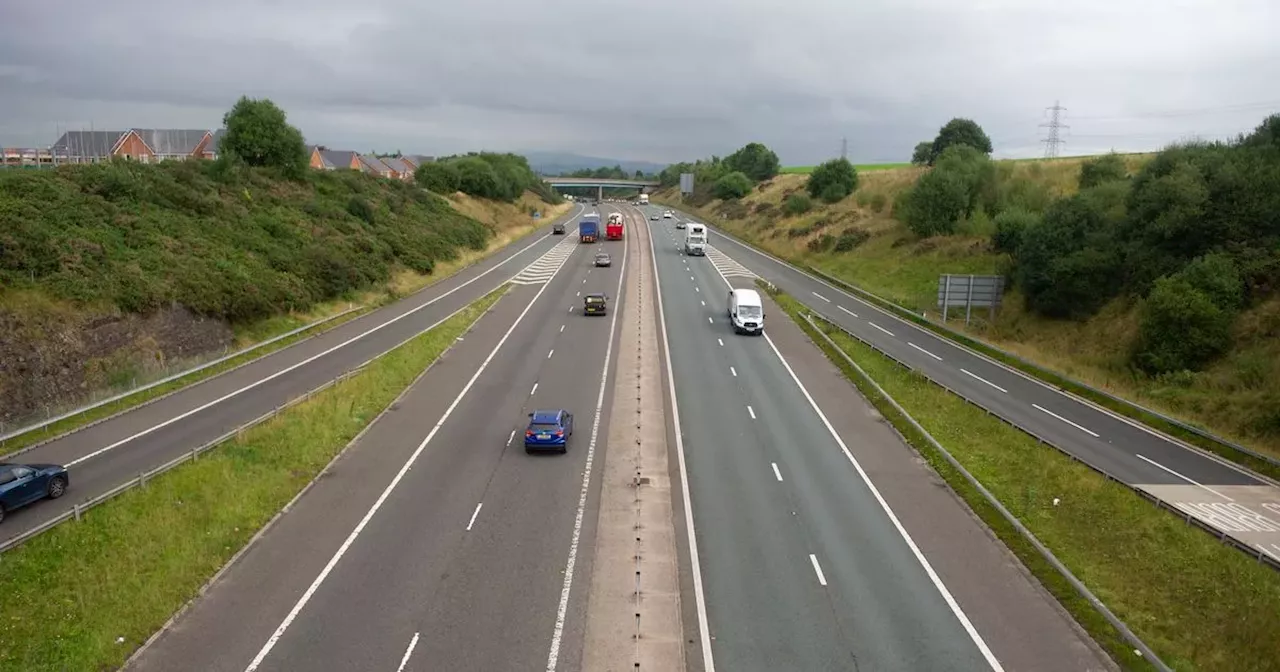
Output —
(124, 569)
(1231, 398)
(1199, 604)
(264, 254)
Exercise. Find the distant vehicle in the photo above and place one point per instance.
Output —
(589, 228)
(613, 228)
(653, 218)
(746, 311)
(679, 225)
(595, 304)
(23, 484)
(603, 259)
(695, 239)
(644, 199)
(666, 215)
(548, 430)
(558, 228)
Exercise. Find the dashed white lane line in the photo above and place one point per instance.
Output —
(703, 302)
(408, 652)
(553, 351)
(696, 289)
(817, 569)
(580, 294)
(980, 378)
(473, 516)
(721, 341)
(1195, 483)
(847, 311)
(880, 328)
(1082, 428)
(924, 351)
(752, 412)
(711, 320)
(821, 297)
(733, 371)
(776, 472)
(562, 328)
(571, 309)
(512, 437)
(534, 390)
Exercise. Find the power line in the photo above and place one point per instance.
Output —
(1055, 125)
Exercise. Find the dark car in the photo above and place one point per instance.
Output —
(558, 228)
(603, 259)
(22, 484)
(548, 430)
(595, 304)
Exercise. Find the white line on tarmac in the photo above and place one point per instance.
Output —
(752, 412)
(880, 328)
(776, 472)
(1082, 428)
(733, 371)
(847, 311)
(980, 378)
(553, 351)
(473, 516)
(817, 569)
(924, 351)
(721, 341)
(535, 389)
(1195, 483)
(512, 437)
(821, 297)
(409, 652)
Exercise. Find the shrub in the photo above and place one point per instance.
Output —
(438, 176)
(360, 208)
(1102, 169)
(797, 204)
(851, 238)
(1068, 263)
(754, 160)
(1010, 225)
(733, 185)
(833, 181)
(959, 131)
(1181, 328)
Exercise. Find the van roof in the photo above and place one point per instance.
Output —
(748, 296)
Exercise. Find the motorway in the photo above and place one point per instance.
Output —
(109, 453)
(1234, 501)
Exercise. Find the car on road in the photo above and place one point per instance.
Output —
(679, 225)
(666, 215)
(22, 484)
(558, 228)
(603, 259)
(653, 218)
(595, 304)
(548, 430)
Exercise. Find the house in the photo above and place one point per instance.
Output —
(333, 159)
(372, 165)
(210, 149)
(400, 167)
(147, 145)
(417, 160)
(166, 144)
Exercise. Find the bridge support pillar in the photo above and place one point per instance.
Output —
(600, 193)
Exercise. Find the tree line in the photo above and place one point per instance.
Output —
(734, 176)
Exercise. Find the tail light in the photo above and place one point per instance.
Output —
(528, 432)
(559, 432)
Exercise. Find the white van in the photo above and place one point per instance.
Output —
(695, 239)
(746, 311)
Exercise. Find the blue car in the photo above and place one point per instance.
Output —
(548, 430)
(22, 484)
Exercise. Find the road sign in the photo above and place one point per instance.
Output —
(686, 183)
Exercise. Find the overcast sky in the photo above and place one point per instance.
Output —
(659, 80)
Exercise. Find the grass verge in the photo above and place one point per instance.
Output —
(84, 595)
(1199, 604)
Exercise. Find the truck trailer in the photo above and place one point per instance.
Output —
(613, 228)
(589, 229)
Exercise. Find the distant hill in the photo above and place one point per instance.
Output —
(557, 163)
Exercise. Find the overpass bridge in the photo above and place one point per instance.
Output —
(600, 183)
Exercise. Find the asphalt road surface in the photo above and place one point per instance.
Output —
(437, 543)
(804, 567)
(111, 452)
(1235, 501)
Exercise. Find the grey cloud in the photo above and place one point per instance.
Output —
(661, 80)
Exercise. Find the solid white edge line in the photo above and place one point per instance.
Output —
(512, 437)
(893, 517)
(880, 328)
(1080, 427)
(751, 412)
(408, 652)
(699, 598)
(306, 361)
(562, 610)
(820, 296)
(924, 351)
(355, 533)
(776, 471)
(473, 516)
(1144, 458)
(847, 311)
(984, 380)
(817, 569)
(534, 390)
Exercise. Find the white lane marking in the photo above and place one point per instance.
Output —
(696, 289)
(579, 294)
(721, 341)
(562, 328)
(880, 328)
(409, 652)
(473, 516)
(571, 309)
(1144, 458)
(512, 437)
(563, 609)
(733, 371)
(553, 351)
(752, 412)
(711, 320)
(847, 311)
(534, 390)
(817, 569)
(980, 378)
(1082, 428)
(373, 510)
(700, 600)
(924, 351)
(821, 297)
(703, 302)
(776, 472)
(691, 278)
(584, 280)
(304, 362)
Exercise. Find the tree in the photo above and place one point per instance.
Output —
(733, 185)
(962, 180)
(440, 177)
(1068, 264)
(1102, 169)
(755, 161)
(258, 134)
(1009, 227)
(959, 131)
(922, 154)
(833, 181)
(476, 177)
(1181, 328)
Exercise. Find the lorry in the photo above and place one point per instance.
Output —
(613, 228)
(644, 199)
(695, 239)
(589, 228)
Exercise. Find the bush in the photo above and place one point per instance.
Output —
(754, 160)
(1102, 169)
(733, 185)
(962, 180)
(1009, 227)
(797, 204)
(833, 181)
(1068, 263)
(1181, 328)
(851, 238)
(358, 207)
(438, 176)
